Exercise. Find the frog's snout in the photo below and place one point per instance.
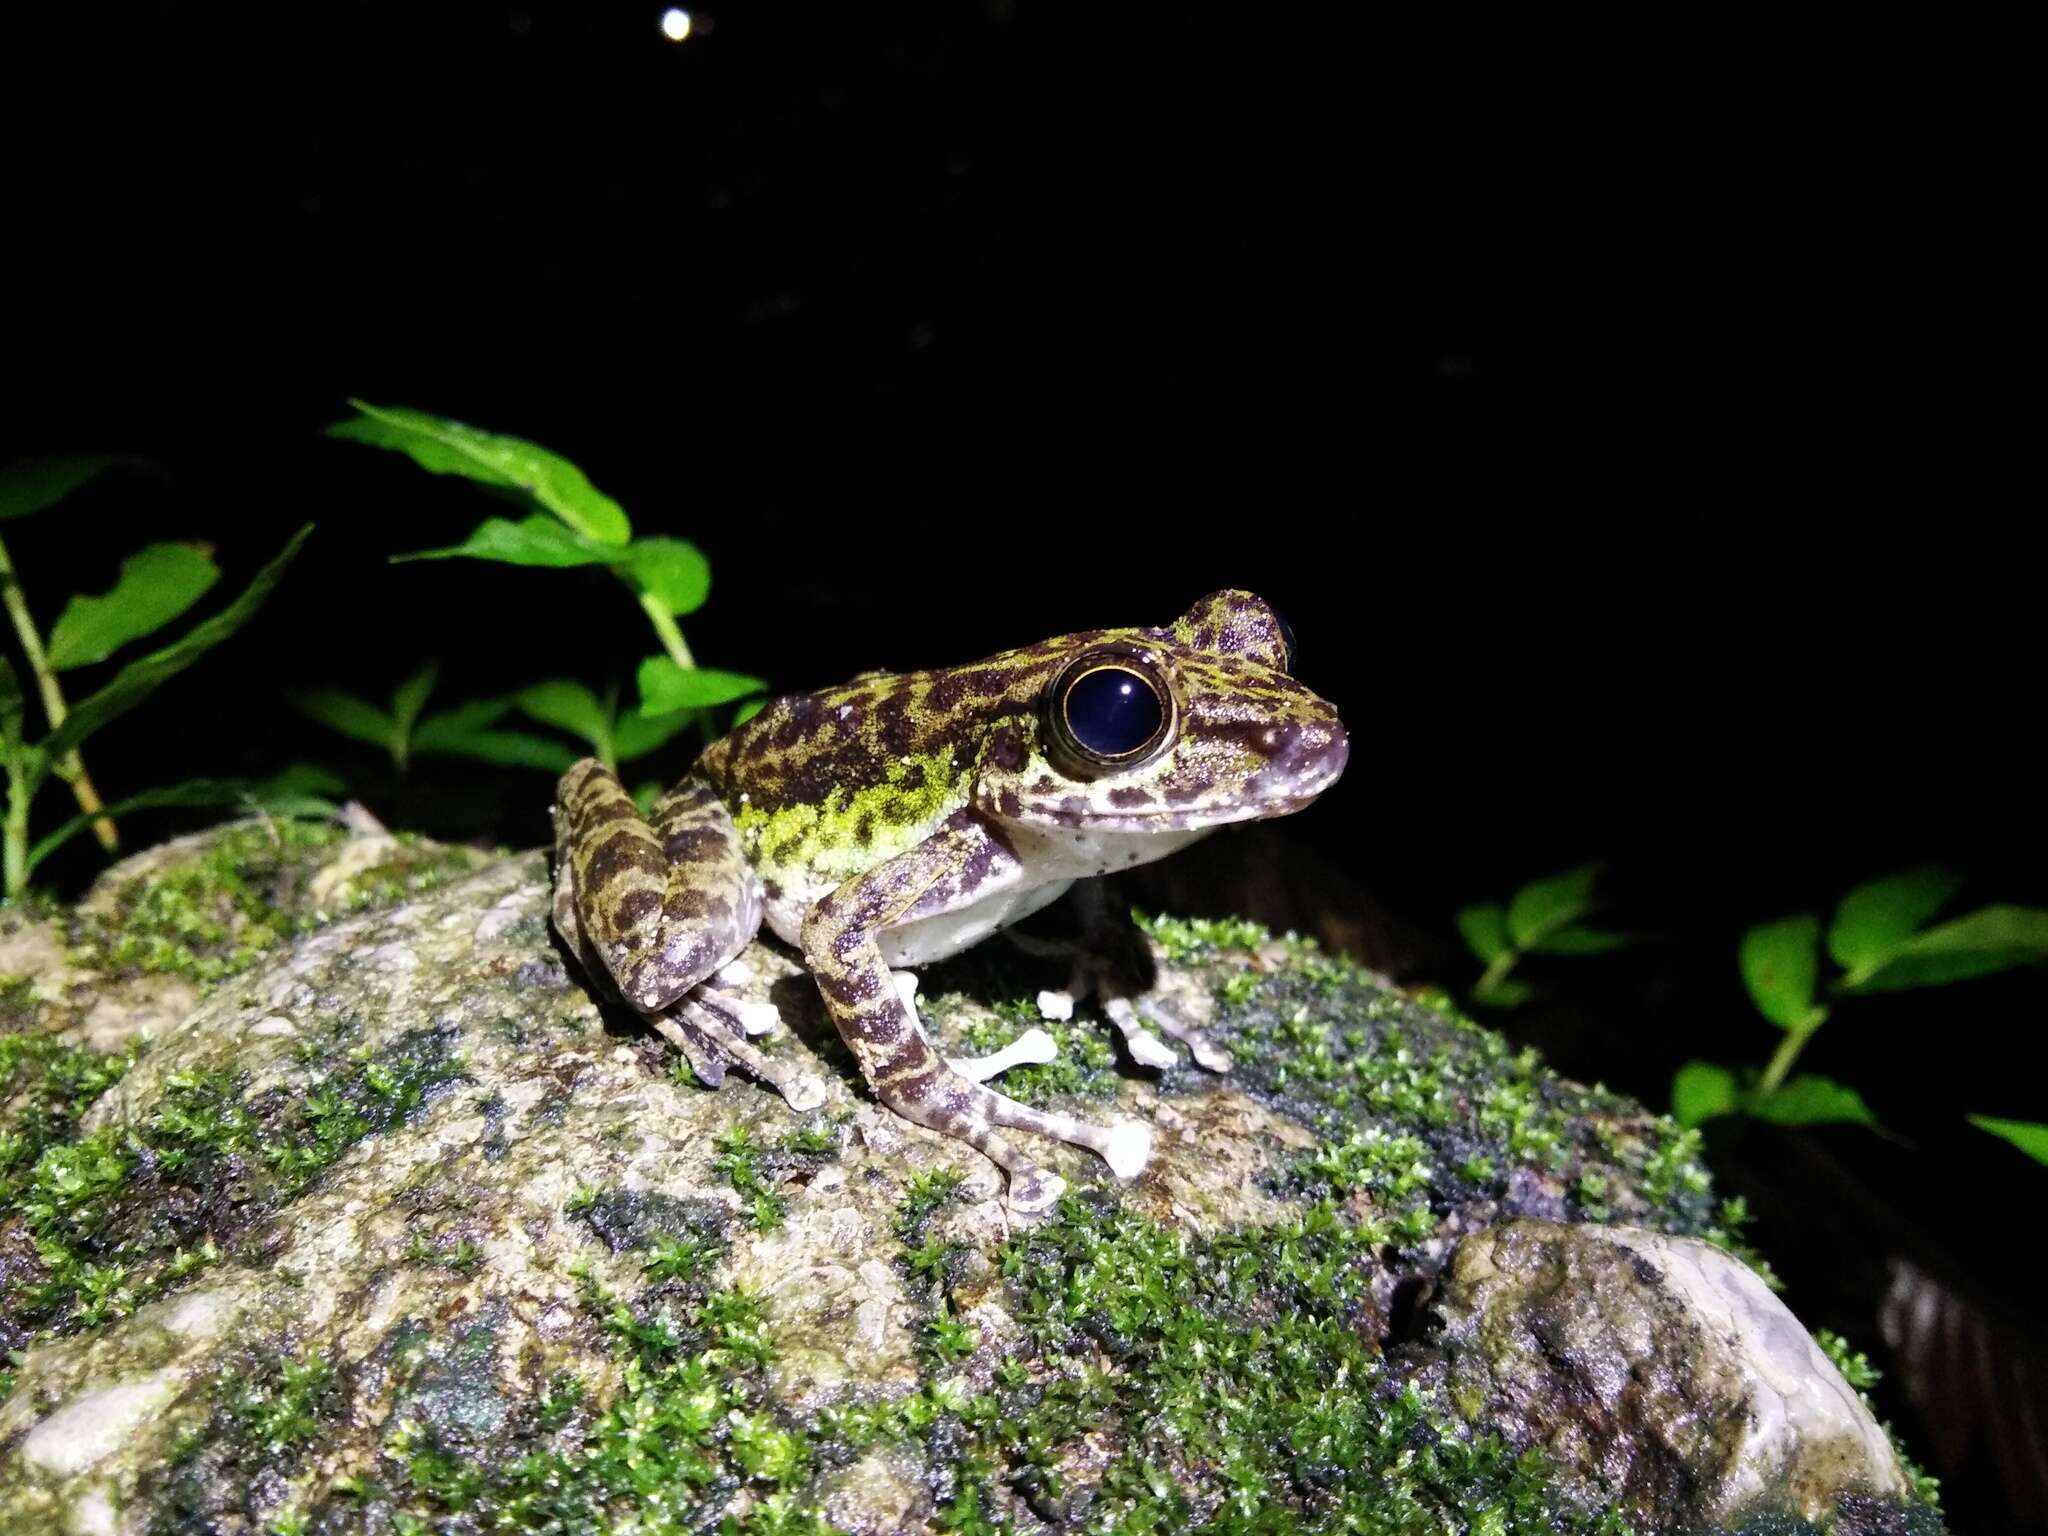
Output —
(1303, 758)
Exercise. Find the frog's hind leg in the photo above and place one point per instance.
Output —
(661, 905)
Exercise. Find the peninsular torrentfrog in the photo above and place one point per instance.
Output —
(902, 817)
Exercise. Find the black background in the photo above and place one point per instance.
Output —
(1640, 420)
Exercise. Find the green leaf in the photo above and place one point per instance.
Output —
(747, 709)
(354, 717)
(1979, 943)
(1781, 965)
(1809, 1100)
(193, 792)
(142, 677)
(507, 749)
(1578, 939)
(2028, 1135)
(34, 484)
(1878, 916)
(406, 703)
(1484, 929)
(665, 687)
(446, 447)
(306, 781)
(1505, 993)
(157, 583)
(1700, 1091)
(645, 796)
(459, 723)
(672, 571)
(534, 540)
(637, 735)
(571, 707)
(1547, 904)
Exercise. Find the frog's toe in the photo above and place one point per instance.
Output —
(751, 1018)
(1146, 1048)
(1032, 1048)
(1034, 1189)
(1132, 1014)
(1128, 1148)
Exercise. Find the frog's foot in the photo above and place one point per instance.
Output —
(750, 1018)
(1132, 1014)
(1111, 961)
(1126, 1146)
(709, 1039)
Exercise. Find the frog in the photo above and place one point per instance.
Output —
(902, 817)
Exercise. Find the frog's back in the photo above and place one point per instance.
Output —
(904, 730)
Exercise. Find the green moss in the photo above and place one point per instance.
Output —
(1419, 1111)
(216, 915)
(263, 1414)
(126, 1214)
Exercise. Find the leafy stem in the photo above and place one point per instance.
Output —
(71, 766)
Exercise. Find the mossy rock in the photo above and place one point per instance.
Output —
(393, 1230)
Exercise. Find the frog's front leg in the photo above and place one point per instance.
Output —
(657, 907)
(965, 861)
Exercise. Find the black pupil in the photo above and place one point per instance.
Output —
(1112, 712)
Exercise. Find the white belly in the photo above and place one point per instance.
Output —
(1048, 860)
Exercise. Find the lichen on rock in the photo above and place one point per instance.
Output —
(384, 1225)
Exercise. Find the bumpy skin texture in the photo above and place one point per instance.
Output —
(902, 817)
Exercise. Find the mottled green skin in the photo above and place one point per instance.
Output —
(900, 818)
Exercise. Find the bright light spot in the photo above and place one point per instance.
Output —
(675, 24)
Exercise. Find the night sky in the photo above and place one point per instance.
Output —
(1640, 422)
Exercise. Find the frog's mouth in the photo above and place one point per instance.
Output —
(1287, 783)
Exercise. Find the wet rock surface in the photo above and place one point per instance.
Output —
(1660, 1370)
(356, 1213)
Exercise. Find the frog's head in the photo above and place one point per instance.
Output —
(1174, 729)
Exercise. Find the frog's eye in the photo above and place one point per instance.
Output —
(1287, 649)
(1109, 710)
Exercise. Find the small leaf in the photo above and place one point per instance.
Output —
(457, 723)
(1878, 916)
(637, 735)
(410, 697)
(1780, 965)
(534, 540)
(507, 749)
(2029, 1136)
(1809, 1100)
(1979, 943)
(747, 709)
(1550, 903)
(1578, 939)
(645, 796)
(354, 717)
(1700, 1091)
(1484, 929)
(308, 780)
(143, 676)
(666, 687)
(157, 583)
(446, 447)
(34, 484)
(193, 792)
(1505, 993)
(672, 571)
(571, 707)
